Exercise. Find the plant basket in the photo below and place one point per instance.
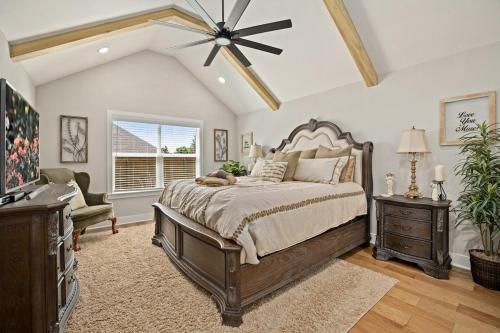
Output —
(484, 272)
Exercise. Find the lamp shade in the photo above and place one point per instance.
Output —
(255, 151)
(413, 141)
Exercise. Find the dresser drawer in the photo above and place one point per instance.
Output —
(66, 221)
(60, 297)
(69, 281)
(408, 246)
(406, 227)
(407, 212)
(67, 250)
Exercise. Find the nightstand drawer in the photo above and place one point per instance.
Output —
(408, 246)
(407, 212)
(405, 227)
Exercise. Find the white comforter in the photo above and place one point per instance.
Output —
(265, 217)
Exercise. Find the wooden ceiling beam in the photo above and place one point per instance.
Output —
(33, 47)
(354, 43)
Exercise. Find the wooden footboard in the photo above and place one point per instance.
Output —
(214, 262)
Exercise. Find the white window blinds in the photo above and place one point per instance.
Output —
(148, 155)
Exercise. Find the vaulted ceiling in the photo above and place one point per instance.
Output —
(396, 34)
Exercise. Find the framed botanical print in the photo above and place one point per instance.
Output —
(220, 145)
(459, 115)
(73, 139)
(246, 142)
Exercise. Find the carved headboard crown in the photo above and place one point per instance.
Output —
(315, 133)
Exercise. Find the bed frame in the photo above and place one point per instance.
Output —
(214, 262)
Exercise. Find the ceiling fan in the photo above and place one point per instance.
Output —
(224, 33)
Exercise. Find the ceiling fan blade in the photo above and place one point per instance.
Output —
(234, 17)
(258, 29)
(258, 46)
(198, 42)
(204, 15)
(212, 55)
(237, 53)
(179, 26)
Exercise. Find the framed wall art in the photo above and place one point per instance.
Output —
(246, 142)
(458, 115)
(220, 145)
(74, 139)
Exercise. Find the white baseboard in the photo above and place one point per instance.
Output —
(458, 260)
(123, 220)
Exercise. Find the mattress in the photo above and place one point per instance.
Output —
(265, 217)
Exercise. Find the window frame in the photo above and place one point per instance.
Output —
(113, 115)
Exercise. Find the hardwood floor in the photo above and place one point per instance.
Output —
(420, 303)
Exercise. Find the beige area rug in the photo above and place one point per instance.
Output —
(129, 285)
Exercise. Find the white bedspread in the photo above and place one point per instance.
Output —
(265, 217)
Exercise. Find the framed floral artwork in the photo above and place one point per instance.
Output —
(459, 115)
(220, 145)
(74, 139)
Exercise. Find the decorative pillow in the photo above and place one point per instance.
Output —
(306, 154)
(274, 171)
(269, 156)
(292, 158)
(315, 170)
(257, 168)
(325, 152)
(342, 162)
(78, 201)
(347, 174)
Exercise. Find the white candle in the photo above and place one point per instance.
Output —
(439, 173)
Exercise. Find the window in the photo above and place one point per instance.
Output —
(149, 152)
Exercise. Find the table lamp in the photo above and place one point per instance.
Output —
(413, 142)
(255, 152)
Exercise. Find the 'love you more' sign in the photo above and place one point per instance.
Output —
(459, 115)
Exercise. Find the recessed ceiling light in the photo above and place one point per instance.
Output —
(222, 80)
(103, 50)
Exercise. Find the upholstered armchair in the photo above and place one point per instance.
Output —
(98, 208)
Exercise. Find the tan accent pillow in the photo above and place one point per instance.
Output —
(325, 152)
(342, 162)
(347, 174)
(274, 171)
(308, 154)
(269, 156)
(78, 201)
(292, 158)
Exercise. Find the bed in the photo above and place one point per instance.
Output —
(237, 273)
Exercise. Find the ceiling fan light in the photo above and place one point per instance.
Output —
(222, 41)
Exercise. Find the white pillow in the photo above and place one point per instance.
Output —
(274, 171)
(318, 170)
(257, 168)
(78, 201)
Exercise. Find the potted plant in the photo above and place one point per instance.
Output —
(479, 202)
(235, 168)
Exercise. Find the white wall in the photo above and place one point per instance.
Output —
(379, 114)
(15, 73)
(145, 82)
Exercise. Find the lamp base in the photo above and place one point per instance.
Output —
(413, 191)
(413, 194)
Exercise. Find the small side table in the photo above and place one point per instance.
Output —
(414, 230)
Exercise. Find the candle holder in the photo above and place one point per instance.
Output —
(442, 193)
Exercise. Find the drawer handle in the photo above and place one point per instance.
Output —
(69, 248)
(68, 216)
(405, 212)
(404, 245)
(71, 279)
(406, 227)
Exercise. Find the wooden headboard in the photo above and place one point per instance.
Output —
(315, 133)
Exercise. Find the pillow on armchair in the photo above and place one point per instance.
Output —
(78, 201)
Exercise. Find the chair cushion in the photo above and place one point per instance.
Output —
(90, 211)
(58, 175)
(78, 201)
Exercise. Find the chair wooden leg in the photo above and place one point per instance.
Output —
(76, 239)
(113, 225)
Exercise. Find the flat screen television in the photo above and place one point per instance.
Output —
(19, 141)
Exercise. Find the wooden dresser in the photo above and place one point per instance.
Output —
(415, 230)
(38, 286)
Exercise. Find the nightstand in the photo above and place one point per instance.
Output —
(414, 230)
